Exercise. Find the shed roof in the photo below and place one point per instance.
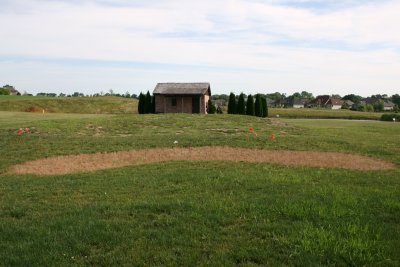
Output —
(182, 88)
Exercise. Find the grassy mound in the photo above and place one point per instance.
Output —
(89, 105)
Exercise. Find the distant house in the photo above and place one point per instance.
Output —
(11, 89)
(387, 104)
(348, 103)
(272, 103)
(219, 102)
(357, 106)
(334, 103)
(290, 102)
(326, 101)
(300, 103)
(182, 97)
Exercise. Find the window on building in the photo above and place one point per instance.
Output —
(173, 102)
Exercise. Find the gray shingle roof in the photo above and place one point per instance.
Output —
(182, 88)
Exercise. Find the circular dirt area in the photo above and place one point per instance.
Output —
(92, 162)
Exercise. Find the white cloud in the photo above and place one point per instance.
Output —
(290, 47)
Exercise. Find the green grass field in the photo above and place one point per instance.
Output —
(118, 105)
(314, 113)
(91, 105)
(197, 213)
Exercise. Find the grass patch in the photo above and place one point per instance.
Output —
(88, 105)
(198, 213)
(313, 113)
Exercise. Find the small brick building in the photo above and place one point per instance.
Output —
(182, 97)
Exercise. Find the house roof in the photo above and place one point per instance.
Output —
(321, 100)
(10, 88)
(336, 102)
(374, 100)
(349, 102)
(388, 104)
(182, 89)
(300, 101)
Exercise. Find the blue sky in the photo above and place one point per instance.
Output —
(322, 46)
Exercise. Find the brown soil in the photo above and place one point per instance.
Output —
(34, 109)
(92, 162)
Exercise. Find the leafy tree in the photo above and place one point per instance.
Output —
(396, 99)
(141, 105)
(276, 96)
(223, 96)
(232, 104)
(352, 97)
(211, 109)
(147, 105)
(264, 107)
(241, 106)
(258, 106)
(378, 96)
(76, 94)
(369, 108)
(4, 91)
(306, 95)
(250, 106)
(379, 106)
(296, 95)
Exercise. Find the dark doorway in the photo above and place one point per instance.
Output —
(195, 104)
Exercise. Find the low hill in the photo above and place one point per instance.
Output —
(120, 105)
(91, 105)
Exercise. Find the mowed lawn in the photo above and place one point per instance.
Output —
(198, 213)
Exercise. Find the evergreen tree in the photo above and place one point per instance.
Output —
(147, 105)
(241, 107)
(211, 107)
(142, 100)
(264, 107)
(250, 106)
(153, 104)
(232, 104)
(258, 106)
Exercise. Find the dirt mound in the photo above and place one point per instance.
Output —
(36, 110)
(92, 162)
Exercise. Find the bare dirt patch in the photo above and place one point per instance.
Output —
(92, 162)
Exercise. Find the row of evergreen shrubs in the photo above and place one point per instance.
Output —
(146, 103)
(251, 107)
(390, 117)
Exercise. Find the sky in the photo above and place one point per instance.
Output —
(250, 46)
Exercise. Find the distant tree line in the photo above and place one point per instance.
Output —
(79, 94)
(370, 104)
(241, 104)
